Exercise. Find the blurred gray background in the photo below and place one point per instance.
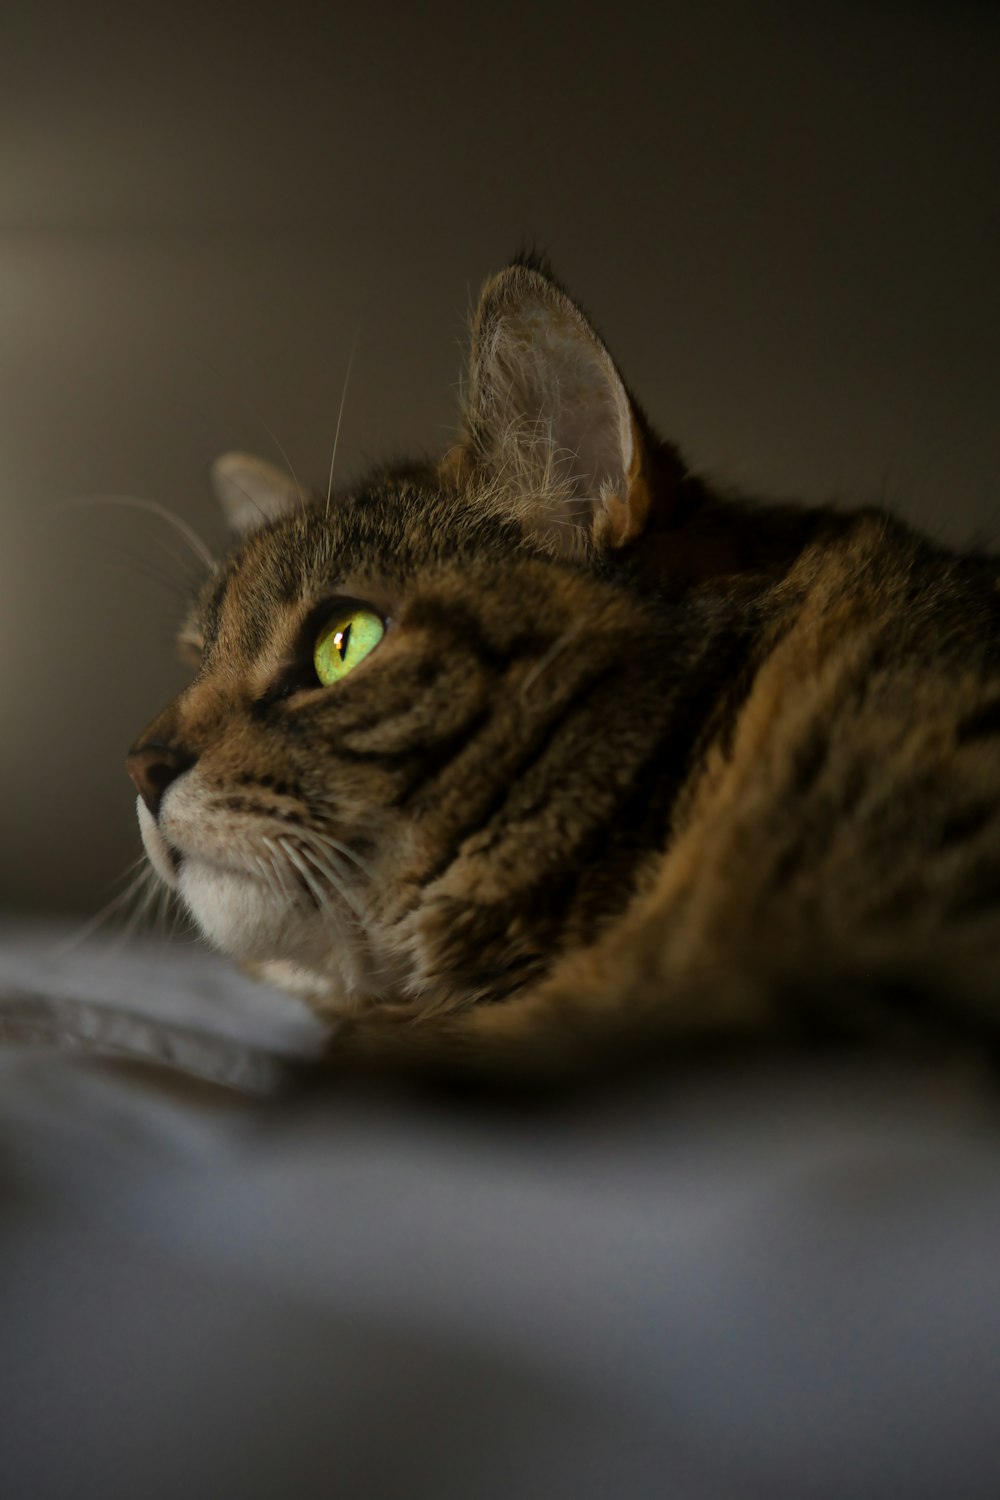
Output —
(784, 218)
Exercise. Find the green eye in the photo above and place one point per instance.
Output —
(346, 639)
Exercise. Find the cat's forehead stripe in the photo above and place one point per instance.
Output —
(398, 523)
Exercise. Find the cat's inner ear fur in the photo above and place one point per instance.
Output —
(549, 423)
(252, 491)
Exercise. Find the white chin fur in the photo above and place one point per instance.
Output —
(247, 918)
(157, 850)
(237, 913)
(243, 918)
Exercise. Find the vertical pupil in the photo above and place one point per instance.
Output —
(342, 640)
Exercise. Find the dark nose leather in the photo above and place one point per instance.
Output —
(153, 767)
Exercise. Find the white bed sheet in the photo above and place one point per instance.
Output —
(767, 1281)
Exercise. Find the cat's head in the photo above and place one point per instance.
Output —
(420, 706)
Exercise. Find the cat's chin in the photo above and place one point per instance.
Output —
(235, 910)
(242, 917)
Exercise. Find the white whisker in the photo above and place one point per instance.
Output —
(142, 876)
(336, 879)
(271, 877)
(151, 507)
(228, 381)
(303, 869)
(555, 650)
(178, 582)
(141, 912)
(340, 416)
(336, 847)
(163, 913)
(288, 463)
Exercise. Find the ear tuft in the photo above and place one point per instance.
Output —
(252, 491)
(548, 418)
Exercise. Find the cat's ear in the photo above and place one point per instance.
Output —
(548, 418)
(252, 491)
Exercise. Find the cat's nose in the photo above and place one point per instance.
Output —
(153, 767)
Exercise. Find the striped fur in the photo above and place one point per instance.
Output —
(633, 763)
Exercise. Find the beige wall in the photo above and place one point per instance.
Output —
(785, 218)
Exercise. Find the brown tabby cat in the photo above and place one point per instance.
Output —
(550, 747)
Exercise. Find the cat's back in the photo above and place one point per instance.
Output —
(834, 864)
